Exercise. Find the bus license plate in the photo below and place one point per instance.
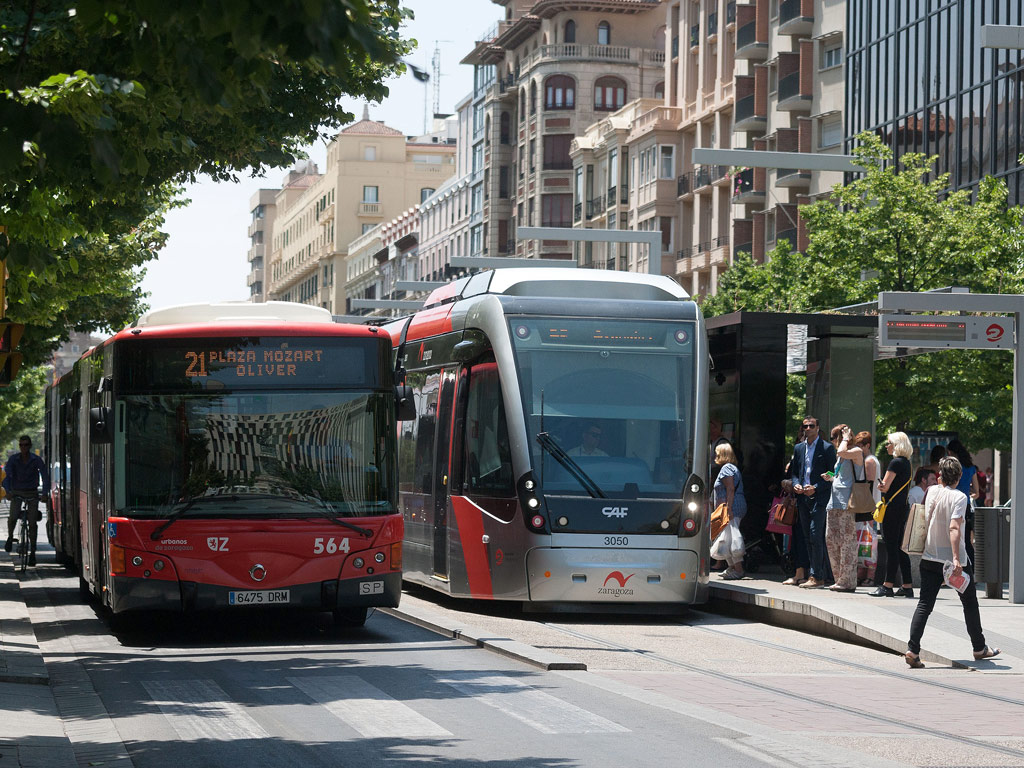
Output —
(267, 597)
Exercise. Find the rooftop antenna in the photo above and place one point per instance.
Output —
(435, 64)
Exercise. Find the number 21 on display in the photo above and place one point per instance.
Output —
(330, 546)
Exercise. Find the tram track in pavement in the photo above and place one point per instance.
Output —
(914, 678)
(923, 730)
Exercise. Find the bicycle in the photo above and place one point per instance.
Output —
(20, 511)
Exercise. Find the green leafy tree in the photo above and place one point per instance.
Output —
(22, 410)
(899, 228)
(107, 107)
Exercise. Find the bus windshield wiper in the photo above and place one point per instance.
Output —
(548, 444)
(176, 513)
(334, 517)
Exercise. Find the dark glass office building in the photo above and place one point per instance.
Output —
(918, 76)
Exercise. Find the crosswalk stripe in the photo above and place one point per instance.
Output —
(200, 709)
(368, 710)
(528, 705)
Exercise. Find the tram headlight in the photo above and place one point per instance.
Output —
(532, 503)
(529, 485)
(563, 521)
(692, 511)
(537, 521)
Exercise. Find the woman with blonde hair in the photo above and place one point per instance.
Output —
(840, 529)
(895, 487)
(728, 489)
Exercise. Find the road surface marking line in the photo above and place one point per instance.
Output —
(200, 709)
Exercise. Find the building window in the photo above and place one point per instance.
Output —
(533, 97)
(533, 155)
(556, 152)
(559, 92)
(369, 154)
(604, 33)
(831, 132)
(506, 127)
(832, 56)
(609, 93)
(667, 166)
(370, 195)
(556, 211)
(368, 227)
(659, 90)
(425, 193)
(570, 31)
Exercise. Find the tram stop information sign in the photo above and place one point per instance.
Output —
(992, 323)
(937, 332)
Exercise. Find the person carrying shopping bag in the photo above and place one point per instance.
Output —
(728, 490)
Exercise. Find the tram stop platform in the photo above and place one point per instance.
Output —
(882, 622)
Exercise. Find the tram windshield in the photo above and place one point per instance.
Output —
(274, 454)
(616, 395)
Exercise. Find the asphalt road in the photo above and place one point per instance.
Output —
(254, 688)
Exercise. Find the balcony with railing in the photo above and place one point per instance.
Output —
(796, 17)
(369, 209)
(684, 184)
(792, 178)
(789, 235)
(743, 190)
(613, 196)
(577, 212)
(705, 175)
(586, 52)
(747, 44)
(747, 116)
(595, 207)
(657, 119)
(790, 97)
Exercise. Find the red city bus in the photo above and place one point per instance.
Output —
(222, 456)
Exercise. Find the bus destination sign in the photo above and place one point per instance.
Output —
(251, 362)
(944, 332)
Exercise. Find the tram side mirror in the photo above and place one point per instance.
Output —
(101, 425)
(405, 405)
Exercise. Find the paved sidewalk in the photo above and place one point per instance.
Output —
(884, 621)
(33, 733)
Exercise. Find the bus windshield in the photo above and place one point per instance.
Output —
(616, 395)
(279, 454)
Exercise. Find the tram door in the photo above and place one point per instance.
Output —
(442, 470)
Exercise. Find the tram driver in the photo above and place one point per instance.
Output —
(590, 442)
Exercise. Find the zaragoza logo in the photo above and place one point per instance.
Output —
(619, 577)
(620, 591)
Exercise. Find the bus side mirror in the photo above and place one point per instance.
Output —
(405, 405)
(101, 425)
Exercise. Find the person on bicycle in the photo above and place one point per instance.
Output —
(23, 473)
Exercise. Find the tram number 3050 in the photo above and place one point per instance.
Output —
(616, 541)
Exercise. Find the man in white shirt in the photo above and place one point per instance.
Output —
(945, 509)
(923, 480)
(590, 446)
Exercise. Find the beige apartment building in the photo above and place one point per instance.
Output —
(374, 173)
(264, 208)
(545, 73)
(790, 96)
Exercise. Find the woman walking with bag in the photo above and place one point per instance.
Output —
(945, 508)
(729, 491)
(895, 487)
(840, 529)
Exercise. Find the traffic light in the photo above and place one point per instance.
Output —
(10, 361)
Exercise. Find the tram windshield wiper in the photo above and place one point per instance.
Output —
(548, 443)
(176, 511)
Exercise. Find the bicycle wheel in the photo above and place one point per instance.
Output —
(23, 545)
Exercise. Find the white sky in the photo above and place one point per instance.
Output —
(205, 257)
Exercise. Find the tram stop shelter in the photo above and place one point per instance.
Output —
(752, 352)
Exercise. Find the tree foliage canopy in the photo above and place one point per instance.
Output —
(897, 228)
(108, 106)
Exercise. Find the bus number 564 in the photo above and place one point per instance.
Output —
(330, 546)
